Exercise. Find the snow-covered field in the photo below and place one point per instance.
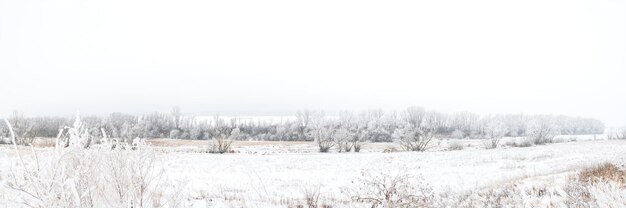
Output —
(248, 180)
(281, 174)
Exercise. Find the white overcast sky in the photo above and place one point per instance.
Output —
(264, 57)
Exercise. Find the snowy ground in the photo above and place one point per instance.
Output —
(244, 179)
(277, 174)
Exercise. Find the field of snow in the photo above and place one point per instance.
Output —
(280, 174)
(248, 180)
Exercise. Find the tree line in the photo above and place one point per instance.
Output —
(308, 125)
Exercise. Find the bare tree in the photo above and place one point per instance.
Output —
(622, 133)
(493, 130)
(343, 139)
(23, 128)
(221, 142)
(324, 135)
(353, 131)
(542, 130)
(360, 133)
(345, 132)
(616, 133)
(305, 120)
(176, 117)
(419, 129)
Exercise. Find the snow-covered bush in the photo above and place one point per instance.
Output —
(455, 145)
(523, 143)
(494, 130)
(22, 128)
(221, 142)
(360, 131)
(109, 174)
(616, 133)
(174, 134)
(324, 135)
(600, 186)
(457, 134)
(419, 129)
(353, 130)
(4, 140)
(312, 197)
(542, 130)
(391, 191)
(306, 121)
(343, 140)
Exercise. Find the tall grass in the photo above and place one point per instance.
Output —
(109, 174)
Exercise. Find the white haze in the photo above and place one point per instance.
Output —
(274, 57)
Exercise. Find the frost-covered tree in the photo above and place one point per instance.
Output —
(494, 129)
(343, 139)
(352, 131)
(542, 130)
(324, 134)
(304, 119)
(221, 142)
(465, 122)
(616, 133)
(371, 125)
(360, 132)
(23, 129)
(418, 130)
(175, 134)
(176, 117)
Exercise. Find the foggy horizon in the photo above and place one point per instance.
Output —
(485, 57)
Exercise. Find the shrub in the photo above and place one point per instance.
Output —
(5, 140)
(389, 150)
(490, 143)
(494, 129)
(312, 199)
(542, 131)
(413, 138)
(419, 129)
(175, 134)
(455, 145)
(389, 191)
(600, 186)
(457, 134)
(603, 173)
(221, 142)
(358, 137)
(343, 140)
(21, 129)
(524, 143)
(618, 133)
(324, 136)
(111, 174)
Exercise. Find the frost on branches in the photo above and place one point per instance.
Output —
(77, 174)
